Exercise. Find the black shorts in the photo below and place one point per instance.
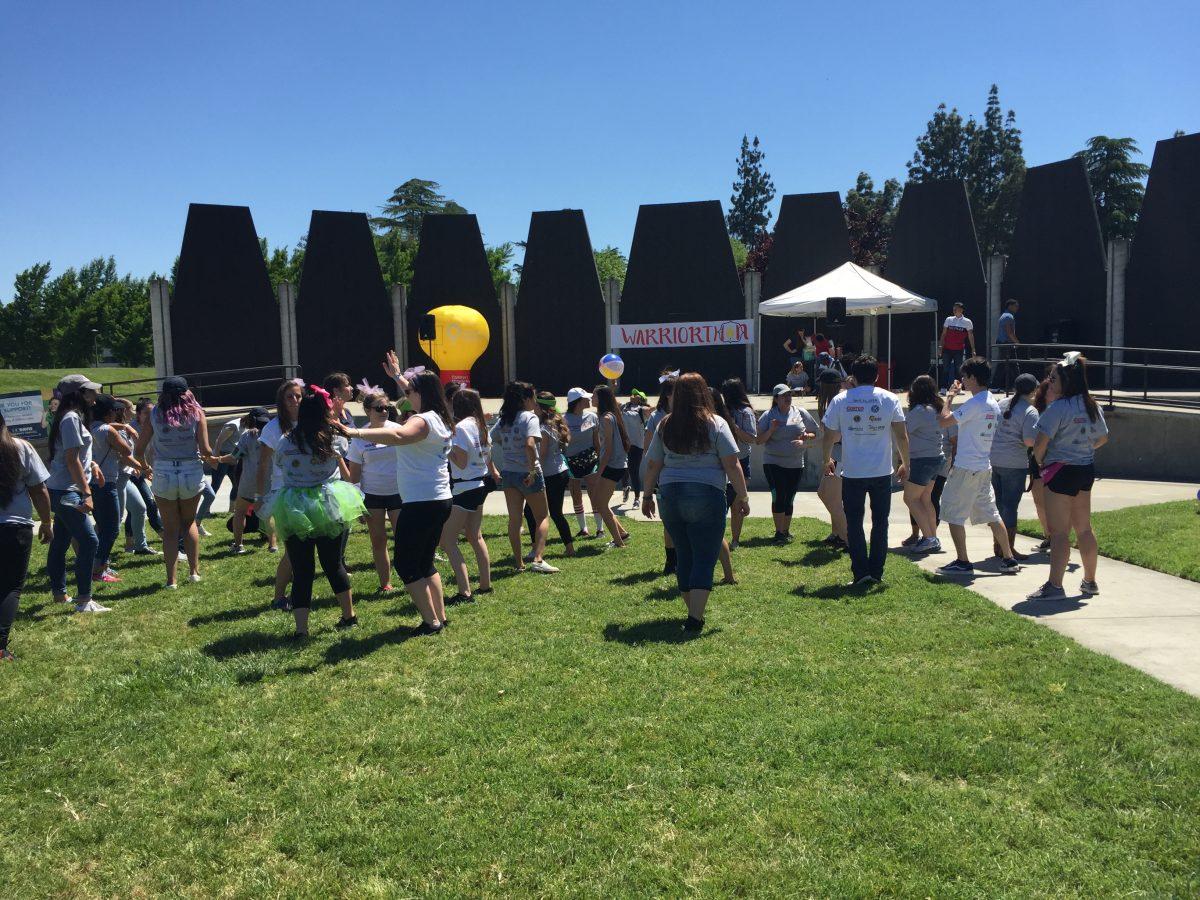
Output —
(583, 464)
(613, 474)
(1070, 480)
(1035, 471)
(382, 501)
(730, 494)
(418, 531)
(470, 500)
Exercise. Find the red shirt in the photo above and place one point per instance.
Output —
(821, 346)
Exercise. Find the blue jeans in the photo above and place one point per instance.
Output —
(149, 507)
(1008, 485)
(71, 524)
(135, 522)
(694, 516)
(208, 494)
(952, 360)
(855, 492)
(106, 507)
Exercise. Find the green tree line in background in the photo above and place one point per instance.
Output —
(69, 319)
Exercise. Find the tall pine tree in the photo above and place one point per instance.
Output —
(752, 194)
(1117, 183)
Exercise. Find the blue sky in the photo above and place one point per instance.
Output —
(117, 115)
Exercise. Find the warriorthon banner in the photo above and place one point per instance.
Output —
(683, 334)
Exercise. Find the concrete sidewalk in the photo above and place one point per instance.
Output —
(1143, 618)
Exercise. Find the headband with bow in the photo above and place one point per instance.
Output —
(365, 387)
(298, 382)
(323, 394)
(410, 374)
(1070, 358)
(667, 376)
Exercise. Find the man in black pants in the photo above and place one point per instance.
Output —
(870, 425)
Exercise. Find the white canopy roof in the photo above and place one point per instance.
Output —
(866, 295)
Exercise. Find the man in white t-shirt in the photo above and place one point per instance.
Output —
(958, 333)
(967, 496)
(870, 424)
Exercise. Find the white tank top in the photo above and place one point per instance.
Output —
(421, 469)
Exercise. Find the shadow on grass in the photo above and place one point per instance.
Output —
(356, 648)
(637, 577)
(670, 592)
(656, 631)
(1039, 609)
(836, 591)
(237, 614)
(263, 581)
(248, 642)
(129, 593)
(760, 542)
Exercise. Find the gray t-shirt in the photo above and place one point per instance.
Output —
(552, 460)
(779, 449)
(104, 451)
(702, 468)
(1072, 434)
(925, 436)
(19, 510)
(174, 442)
(71, 433)
(247, 450)
(610, 432)
(635, 425)
(1009, 450)
(745, 420)
(511, 440)
(300, 468)
(581, 426)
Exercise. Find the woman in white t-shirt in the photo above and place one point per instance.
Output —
(472, 477)
(287, 405)
(373, 468)
(516, 435)
(423, 480)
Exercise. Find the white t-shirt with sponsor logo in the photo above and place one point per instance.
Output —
(977, 420)
(864, 416)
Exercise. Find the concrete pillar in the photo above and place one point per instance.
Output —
(508, 325)
(287, 325)
(752, 291)
(1118, 261)
(612, 309)
(400, 323)
(871, 336)
(160, 325)
(994, 274)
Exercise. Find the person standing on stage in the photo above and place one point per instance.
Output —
(958, 333)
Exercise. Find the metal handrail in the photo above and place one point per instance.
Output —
(196, 379)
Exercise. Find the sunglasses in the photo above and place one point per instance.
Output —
(377, 408)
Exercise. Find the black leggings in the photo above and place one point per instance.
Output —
(556, 489)
(300, 554)
(783, 482)
(418, 532)
(15, 544)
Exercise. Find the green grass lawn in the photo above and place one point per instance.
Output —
(1161, 536)
(45, 379)
(564, 737)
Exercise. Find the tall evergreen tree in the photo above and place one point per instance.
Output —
(752, 193)
(870, 218)
(1117, 183)
(408, 205)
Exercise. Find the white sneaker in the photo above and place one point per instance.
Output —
(927, 545)
(543, 567)
(194, 577)
(91, 606)
(238, 549)
(204, 532)
(170, 586)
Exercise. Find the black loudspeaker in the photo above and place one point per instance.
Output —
(427, 329)
(835, 312)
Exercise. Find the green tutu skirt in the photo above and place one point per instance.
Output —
(322, 511)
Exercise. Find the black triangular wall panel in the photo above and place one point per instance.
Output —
(933, 252)
(1057, 265)
(810, 239)
(343, 312)
(223, 312)
(452, 268)
(681, 269)
(560, 320)
(1162, 289)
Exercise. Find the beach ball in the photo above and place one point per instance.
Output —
(611, 366)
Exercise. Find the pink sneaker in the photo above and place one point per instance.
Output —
(107, 578)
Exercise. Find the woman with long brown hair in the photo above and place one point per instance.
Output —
(927, 456)
(373, 468)
(555, 437)
(22, 488)
(692, 456)
(1068, 434)
(472, 477)
(614, 459)
(268, 477)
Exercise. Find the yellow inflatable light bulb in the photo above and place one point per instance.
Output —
(461, 336)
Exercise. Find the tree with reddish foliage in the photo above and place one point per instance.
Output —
(760, 253)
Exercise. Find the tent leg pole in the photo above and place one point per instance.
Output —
(889, 359)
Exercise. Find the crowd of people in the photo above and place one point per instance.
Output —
(305, 476)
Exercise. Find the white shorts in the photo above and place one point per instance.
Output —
(968, 497)
(177, 479)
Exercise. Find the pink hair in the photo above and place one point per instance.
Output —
(179, 409)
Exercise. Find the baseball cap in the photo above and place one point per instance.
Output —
(72, 383)
(640, 394)
(577, 393)
(1025, 383)
(103, 406)
(780, 389)
(260, 415)
(174, 384)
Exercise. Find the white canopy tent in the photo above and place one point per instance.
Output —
(866, 295)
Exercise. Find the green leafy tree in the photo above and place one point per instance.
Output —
(407, 207)
(753, 192)
(987, 156)
(610, 263)
(283, 264)
(870, 219)
(1117, 183)
(740, 252)
(27, 321)
(499, 260)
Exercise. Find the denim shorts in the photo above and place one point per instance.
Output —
(177, 479)
(923, 469)
(516, 480)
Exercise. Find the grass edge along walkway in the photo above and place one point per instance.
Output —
(564, 738)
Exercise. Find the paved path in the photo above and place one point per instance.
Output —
(1144, 618)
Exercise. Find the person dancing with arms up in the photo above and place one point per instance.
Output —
(691, 458)
(314, 507)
